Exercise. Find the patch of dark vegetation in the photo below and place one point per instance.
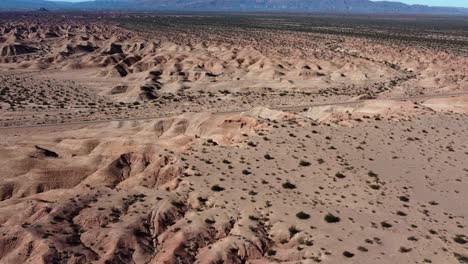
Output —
(217, 188)
(288, 185)
(293, 230)
(404, 199)
(404, 250)
(330, 218)
(340, 175)
(302, 215)
(388, 29)
(460, 239)
(461, 258)
(362, 249)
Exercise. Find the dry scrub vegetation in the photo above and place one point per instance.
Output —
(222, 175)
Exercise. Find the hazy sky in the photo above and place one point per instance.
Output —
(458, 3)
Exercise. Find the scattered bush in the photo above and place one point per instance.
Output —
(302, 215)
(293, 230)
(288, 185)
(404, 199)
(217, 188)
(405, 249)
(362, 249)
(460, 239)
(385, 225)
(340, 175)
(330, 218)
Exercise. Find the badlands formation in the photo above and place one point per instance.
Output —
(144, 138)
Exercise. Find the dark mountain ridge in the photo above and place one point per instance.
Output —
(319, 6)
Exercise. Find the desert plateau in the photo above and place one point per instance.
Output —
(130, 137)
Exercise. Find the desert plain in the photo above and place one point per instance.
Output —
(233, 138)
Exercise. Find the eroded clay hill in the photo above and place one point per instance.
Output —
(372, 183)
(146, 66)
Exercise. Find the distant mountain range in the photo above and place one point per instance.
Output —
(319, 6)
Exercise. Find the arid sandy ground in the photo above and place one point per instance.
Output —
(143, 138)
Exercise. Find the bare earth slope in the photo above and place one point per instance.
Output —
(167, 145)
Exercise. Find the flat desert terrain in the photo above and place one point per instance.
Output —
(233, 138)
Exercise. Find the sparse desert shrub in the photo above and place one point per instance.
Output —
(404, 250)
(330, 218)
(253, 193)
(251, 144)
(404, 199)
(293, 230)
(385, 224)
(460, 239)
(461, 258)
(253, 218)
(340, 175)
(217, 188)
(304, 163)
(362, 249)
(288, 185)
(246, 172)
(302, 215)
(210, 221)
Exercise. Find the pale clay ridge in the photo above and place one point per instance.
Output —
(386, 109)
